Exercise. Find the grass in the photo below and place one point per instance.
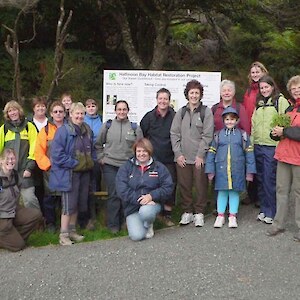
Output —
(44, 238)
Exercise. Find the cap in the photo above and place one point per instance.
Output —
(230, 110)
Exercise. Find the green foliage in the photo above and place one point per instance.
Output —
(83, 75)
(282, 120)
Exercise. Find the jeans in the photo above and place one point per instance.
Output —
(114, 204)
(138, 223)
(266, 166)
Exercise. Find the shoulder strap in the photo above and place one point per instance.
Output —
(202, 112)
(183, 111)
(47, 128)
(107, 126)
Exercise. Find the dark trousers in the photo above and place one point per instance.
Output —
(172, 169)
(14, 232)
(188, 177)
(266, 166)
(115, 215)
(49, 206)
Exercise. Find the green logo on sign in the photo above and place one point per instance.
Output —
(112, 76)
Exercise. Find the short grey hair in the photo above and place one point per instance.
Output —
(227, 82)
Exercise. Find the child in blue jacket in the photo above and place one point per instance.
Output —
(230, 159)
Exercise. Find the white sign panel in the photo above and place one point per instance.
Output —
(139, 87)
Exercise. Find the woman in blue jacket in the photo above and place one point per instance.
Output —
(143, 185)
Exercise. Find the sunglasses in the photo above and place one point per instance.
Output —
(58, 111)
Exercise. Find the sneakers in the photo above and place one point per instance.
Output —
(75, 237)
(232, 223)
(186, 218)
(220, 221)
(64, 239)
(274, 231)
(150, 232)
(260, 217)
(199, 220)
(268, 220)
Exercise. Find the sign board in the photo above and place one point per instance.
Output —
(139, 87)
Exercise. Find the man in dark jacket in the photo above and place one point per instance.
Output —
(156, 126)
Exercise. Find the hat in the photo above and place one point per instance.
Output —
(230, 110)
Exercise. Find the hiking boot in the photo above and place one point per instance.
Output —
(150, 232)
(199, 220)
(232, 223)
(186, 218)
(260, 217)
(220, 221)
(74, 236)
(272, 231)
(64, 239)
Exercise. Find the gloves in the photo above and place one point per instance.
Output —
(249, 177)
(210, 176)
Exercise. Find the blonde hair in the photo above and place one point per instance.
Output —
(5, 152)
(257, 64)
(12, 104)
(77, 106)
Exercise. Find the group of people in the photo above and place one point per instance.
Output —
(61, 158)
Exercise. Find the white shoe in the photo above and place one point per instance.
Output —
(150, 232)
(186, 218)
(232, 223)
(268, 220)
(260, 217)
(220, 221)
(199, 220)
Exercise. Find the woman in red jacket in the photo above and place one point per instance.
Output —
(257, 70)
(287, 154)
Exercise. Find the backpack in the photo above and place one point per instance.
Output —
(244, 138)
(268, 105)
(202, 112)
(108, 124)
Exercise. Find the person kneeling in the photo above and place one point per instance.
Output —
(16, 222)
(143, 184)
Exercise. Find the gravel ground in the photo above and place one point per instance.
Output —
(178, 263)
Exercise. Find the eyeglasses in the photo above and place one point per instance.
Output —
(58, 111)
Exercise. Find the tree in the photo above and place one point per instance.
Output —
(12, 41)
(61, 36)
